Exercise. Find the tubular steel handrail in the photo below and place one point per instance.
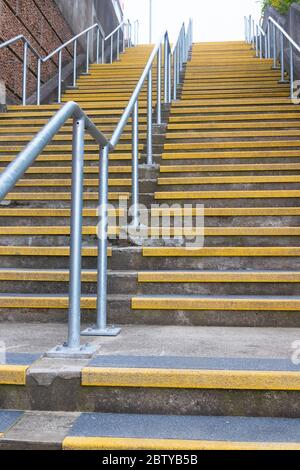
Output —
(16, 170)
(119, 31)
(81, 122)
(273, 30)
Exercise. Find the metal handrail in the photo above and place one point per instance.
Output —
(271, 35)
(27, 46)
(81, 122)
(16, 170)
(74, 41)
(100, 54)
(132, 110)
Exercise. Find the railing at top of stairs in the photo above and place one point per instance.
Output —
(122, 34)
(255, 35)
(16, 169)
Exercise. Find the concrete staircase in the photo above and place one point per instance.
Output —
(205, 358)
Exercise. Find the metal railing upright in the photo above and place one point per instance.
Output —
(118, 39)
(273, 36)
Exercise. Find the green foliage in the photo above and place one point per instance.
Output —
(281, 5)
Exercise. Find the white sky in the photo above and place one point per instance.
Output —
(214, 20)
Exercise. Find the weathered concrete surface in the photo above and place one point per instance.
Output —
(54, 384)
(39, 431)
(157, 341)
(80, 14)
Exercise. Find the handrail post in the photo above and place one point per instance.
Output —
(149, 121)
(282, 67)
(166, 73)
(260, 46)
(292, 71)
(24, 86)
(73, 347)
(123, 42)
(59, 76)
(159, 80)
(118, 45)
(87, 52)
(103, 51)
(38, 91)
(269, 40)
(98, 46)
(169, 75)
(175, 74)
(135, 165)
(111, 49)
(274, 48)
(257, 44)
(101, 328)
(75, 64)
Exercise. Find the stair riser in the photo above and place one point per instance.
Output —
(247, 221)
(243, 202)
(120, 313)
(210, 241)
(67, 394)
(131, 287)
(229, 187)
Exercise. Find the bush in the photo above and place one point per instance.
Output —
(281, 5)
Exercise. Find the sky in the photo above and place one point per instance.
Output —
(214, 20)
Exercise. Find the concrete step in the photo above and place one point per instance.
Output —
(213, 371)
(100, 432)
(55, 281)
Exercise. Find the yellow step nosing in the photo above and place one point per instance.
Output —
(246, 194)
(109, 443)
(190, 379)
(229, 167)
(13, 374)
(194, 180)
(218, 277)
(234, 251)
(46, 251)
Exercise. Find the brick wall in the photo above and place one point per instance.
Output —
(42, 23)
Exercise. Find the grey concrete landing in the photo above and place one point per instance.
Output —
(186, 341)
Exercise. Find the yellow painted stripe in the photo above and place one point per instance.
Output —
(190, 379)
(38, 302)
(194, 180)
(231, 168)
(110, 443)
(230, 134)
(223, 251)
(227, 194)
(43, 275)
(158, 231)
(233, 125)
(46, 251)
(60, 196)
(203, 102)
(231, 145)
(207, 277)
(221, 155)
(53, 212)
(60, 182)
(237, 117)
(231, 109)
(13, 375)
(225, 211)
